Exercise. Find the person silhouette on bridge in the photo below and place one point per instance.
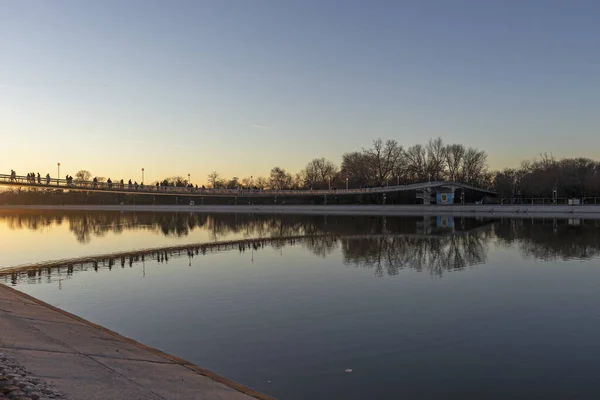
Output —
(95, 182)
(109, 183)
(39, 178)
(47, 179)
(130, 184)
(135, 185)
(122, 184)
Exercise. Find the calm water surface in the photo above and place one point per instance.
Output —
(425, 308)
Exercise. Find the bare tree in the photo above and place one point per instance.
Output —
(233, 183)
(474, 167)
(279, 179)
(385, 158)
(83, 176)
(436, 159)
(299, 181)
(214, 179)
(247, 182)
(416, 163)
(358, 168)
(261, 183)
(455, 154)
(319, 172)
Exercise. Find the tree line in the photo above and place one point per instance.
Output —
(548, 177)
(389, 163)
(384, 163)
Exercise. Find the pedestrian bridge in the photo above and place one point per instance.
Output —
(423, 190)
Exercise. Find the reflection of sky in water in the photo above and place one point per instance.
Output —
(299, 318)
(25, 242)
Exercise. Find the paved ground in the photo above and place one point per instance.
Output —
(71, 358)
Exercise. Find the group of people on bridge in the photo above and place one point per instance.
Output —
(32, 177)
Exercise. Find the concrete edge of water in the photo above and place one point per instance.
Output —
(542, 211)
(248, 391)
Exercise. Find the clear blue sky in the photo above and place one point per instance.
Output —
(182, 87)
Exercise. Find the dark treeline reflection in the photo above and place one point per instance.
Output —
(388, 255)
(550, 239)
(425, 243)
(87, 225)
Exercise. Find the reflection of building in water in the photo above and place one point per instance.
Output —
(436, 225)
(574, 221)
(446, 222)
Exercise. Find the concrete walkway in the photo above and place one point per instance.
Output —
(85, 361)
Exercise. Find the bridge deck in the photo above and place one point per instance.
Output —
(87, 186)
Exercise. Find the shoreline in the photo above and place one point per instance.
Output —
(540, 211)
(49, 342)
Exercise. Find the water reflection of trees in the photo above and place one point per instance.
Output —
(87, 225)
(389, 252)
(551, 239)
(543, 239)
(433, 254)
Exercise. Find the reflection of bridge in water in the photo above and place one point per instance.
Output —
(320, 244)
(425, 190)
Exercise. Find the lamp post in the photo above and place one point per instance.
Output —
(329, 183)
(346, 182)
(58, 173)
(398, 184)
(189, 180)
(142, 175)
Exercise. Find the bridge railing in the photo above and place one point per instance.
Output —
(548, 201)
(50, 183)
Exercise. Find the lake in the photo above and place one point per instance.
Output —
(322, 307)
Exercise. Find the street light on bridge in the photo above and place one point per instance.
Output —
(142, 175)
(189, 180)
(58, 173)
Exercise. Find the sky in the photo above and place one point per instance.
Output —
(240, 86)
